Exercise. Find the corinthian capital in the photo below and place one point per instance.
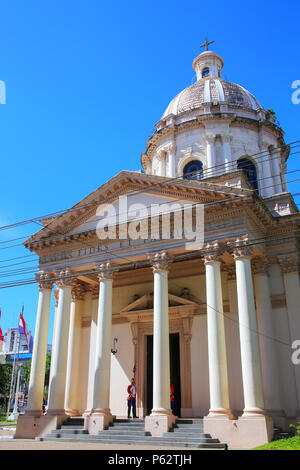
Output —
(78, 290)
(159, 262)
(63, 278)
(241, 248)
(212, 254)
(289, 263)
(45, 280)
(260, 265)
(210, 138)
(105, 271)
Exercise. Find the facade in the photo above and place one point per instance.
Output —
(15, 342)
(217, 319)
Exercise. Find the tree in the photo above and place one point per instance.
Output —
(5, 380)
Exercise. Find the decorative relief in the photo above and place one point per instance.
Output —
(213, 253)
(45, 280)
(56, 295)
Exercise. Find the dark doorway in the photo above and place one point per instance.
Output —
(174, 372)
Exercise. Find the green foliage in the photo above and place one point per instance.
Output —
(293, 443)
(296, 427)
(5, 378)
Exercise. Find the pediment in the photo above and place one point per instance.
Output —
(138, 188)
(145, 302)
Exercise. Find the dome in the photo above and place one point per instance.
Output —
(211, 90)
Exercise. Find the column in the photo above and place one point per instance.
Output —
(57, 382)
(275, 165)
(38, 362)
(218, 376)
(290, 270)
(100, 414)
(250, 357)
(73, 361)
(227, 153)
(267, 182)
(210, 155)
(267, 340)
(161, 168)
(161, 418)
(171, 161)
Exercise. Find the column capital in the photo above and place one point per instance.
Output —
(289, 263)
(159, 262)
(172, 147)
(63, 278)
(213, 253)
(227, 138)
(105, 271)
(161, 154)
(240, 248)
(45, 280)
(210, 138)
(260, 265)
(78, 290)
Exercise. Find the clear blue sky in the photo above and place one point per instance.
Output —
(87, 80)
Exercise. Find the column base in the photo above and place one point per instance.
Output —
(159, 422)
(98, 420)
(30, 426)
(220, 413)
(246, 432)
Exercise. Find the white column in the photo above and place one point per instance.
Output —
(210, 155)
(100, 413)
(218, 376)
(267, 340)
(38, 362)
(161, 418)
(161, 157)
(275, 165)
(57, 381)
(171, 161)
(251, 368)
(290, 269)
(227, 154)
(73, 361)
(161, 350)
(267, 182)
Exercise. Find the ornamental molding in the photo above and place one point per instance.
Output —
(260, 265)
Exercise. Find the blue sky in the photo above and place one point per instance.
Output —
(87, 81)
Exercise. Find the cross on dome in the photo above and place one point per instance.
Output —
(206, 43)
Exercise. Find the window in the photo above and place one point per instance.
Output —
(193, 170)
(205, 72)
(250, 171)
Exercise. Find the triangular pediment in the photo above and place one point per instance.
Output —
(138, 188)
(145, 302)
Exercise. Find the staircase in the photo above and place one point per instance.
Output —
(185, 433)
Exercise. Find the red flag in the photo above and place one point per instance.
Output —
(23, 328)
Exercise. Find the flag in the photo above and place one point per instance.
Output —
(23, 327)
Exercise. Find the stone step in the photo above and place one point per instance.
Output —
(146, 441)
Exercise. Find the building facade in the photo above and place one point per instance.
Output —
(217, 318)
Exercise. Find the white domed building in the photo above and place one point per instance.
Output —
(185, 273)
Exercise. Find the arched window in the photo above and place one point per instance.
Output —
(205, 72)
(193, 170)
(250, 171)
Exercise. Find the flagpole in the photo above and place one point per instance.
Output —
(13, 373)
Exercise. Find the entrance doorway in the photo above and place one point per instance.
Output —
(174, 372)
